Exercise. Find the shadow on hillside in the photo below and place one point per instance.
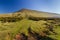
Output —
(50, 27)
(24, 37)
(33, 36)
(8, 19)
(39, 18)
(36, 36)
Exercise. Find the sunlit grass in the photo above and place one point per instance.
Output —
(22, 27)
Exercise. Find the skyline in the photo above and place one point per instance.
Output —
(9, 6)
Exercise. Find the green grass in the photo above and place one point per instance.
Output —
(22, 27)
(28, 19)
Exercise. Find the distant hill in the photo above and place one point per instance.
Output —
(29, 14)
(33, 13)
(39, 13)
(27, 24)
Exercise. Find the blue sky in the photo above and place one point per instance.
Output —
(8, 6)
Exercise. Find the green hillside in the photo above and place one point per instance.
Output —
(29, 25)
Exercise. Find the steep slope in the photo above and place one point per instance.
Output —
(29, 14)
(26, 25)
(33, 13)
(38, 13)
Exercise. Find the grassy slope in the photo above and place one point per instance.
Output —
(9, 30)
(22, 27)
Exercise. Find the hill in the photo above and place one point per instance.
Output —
(30, 14)
(28, 24)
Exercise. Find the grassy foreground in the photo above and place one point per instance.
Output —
(26, 29)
